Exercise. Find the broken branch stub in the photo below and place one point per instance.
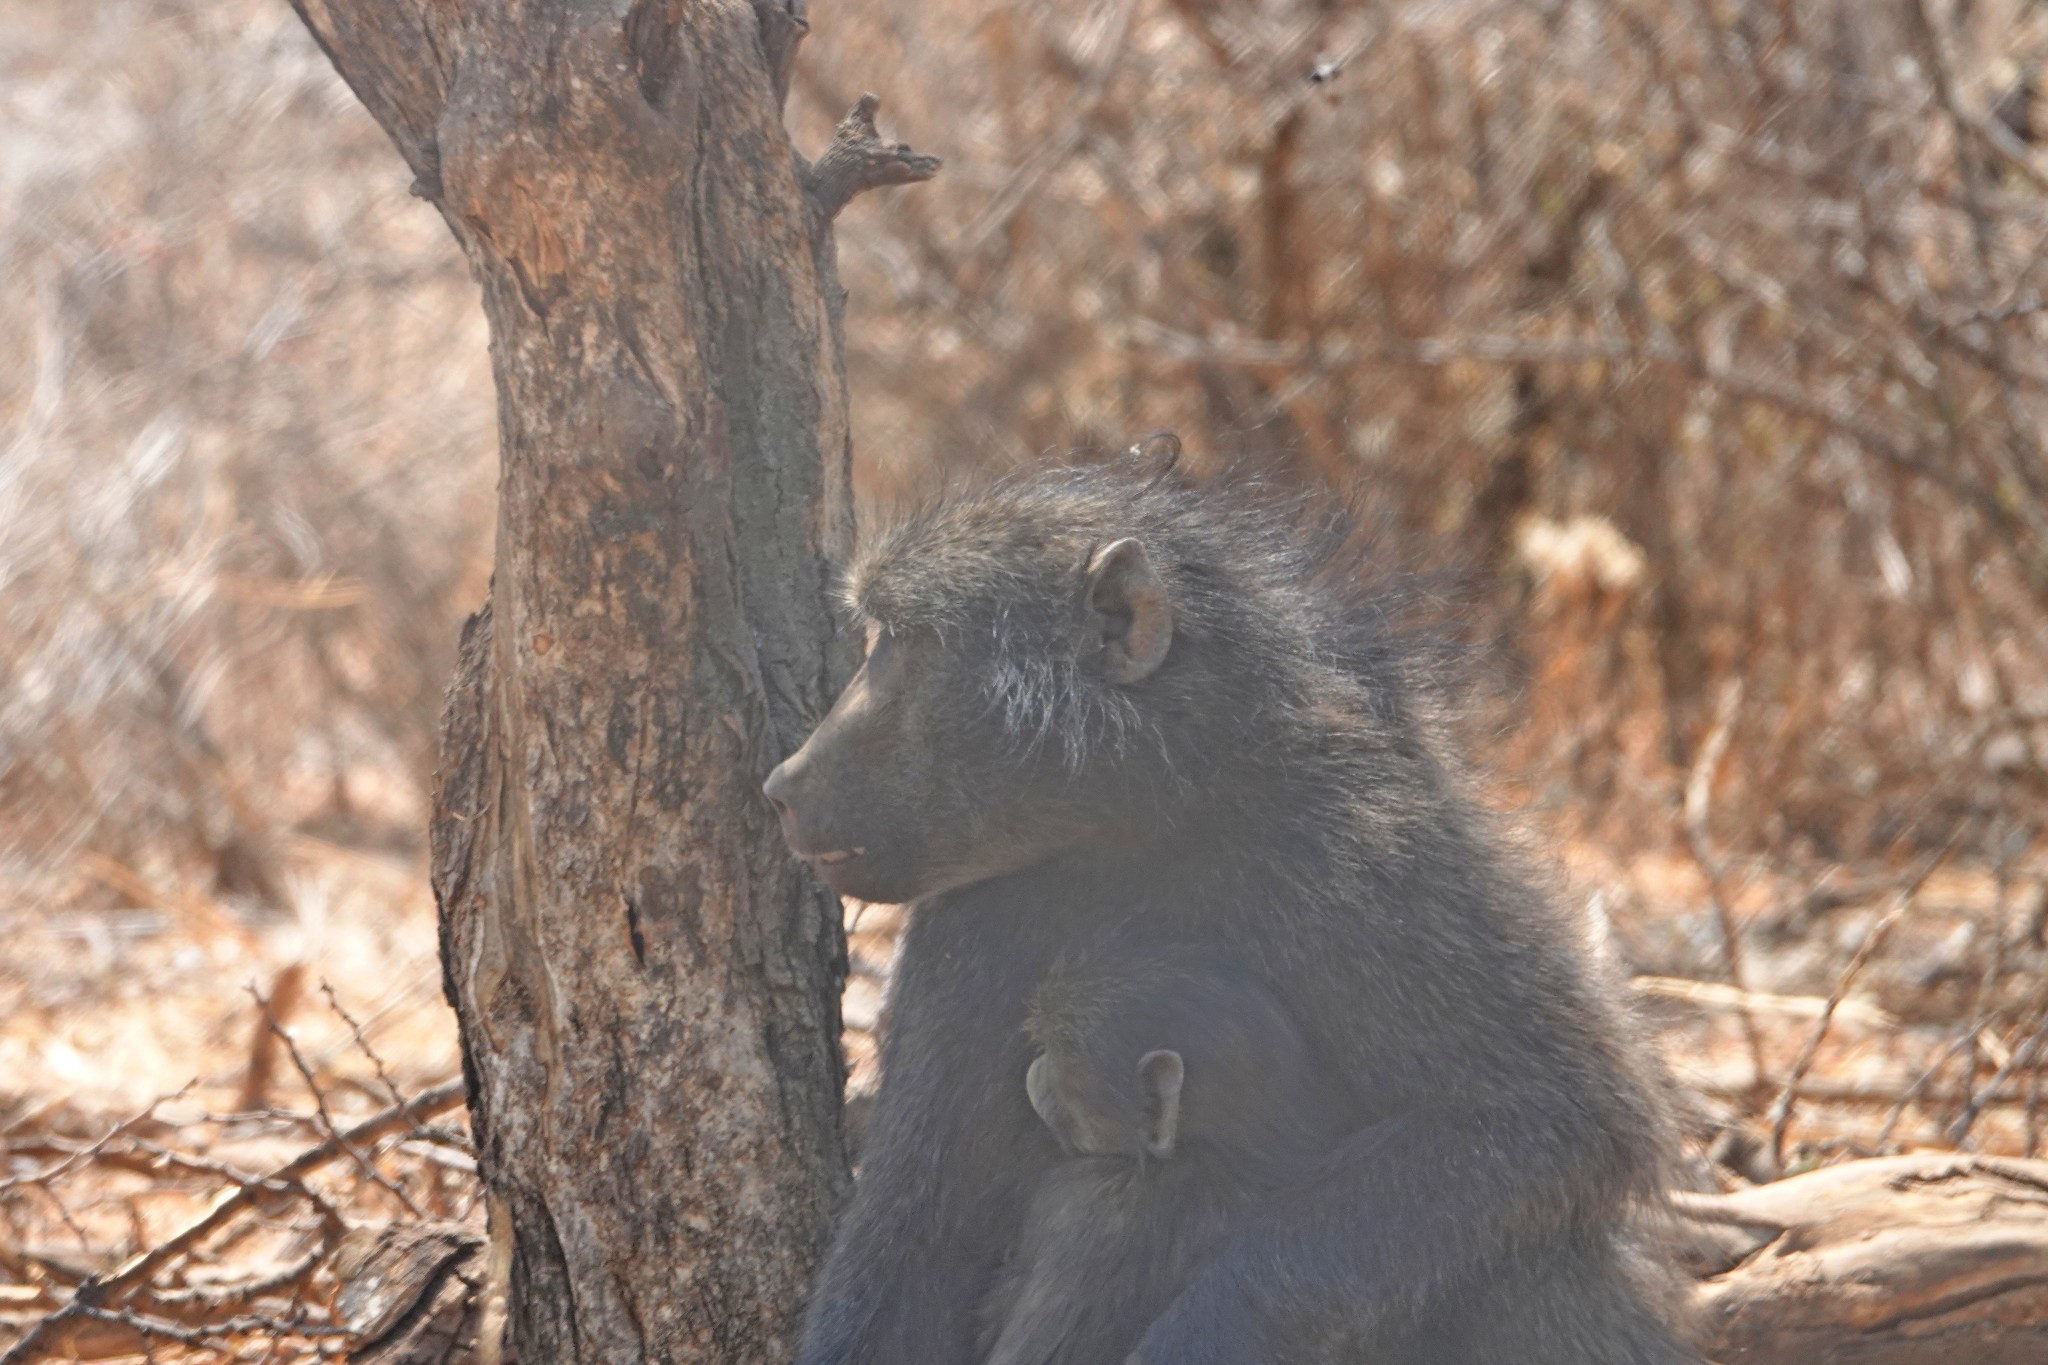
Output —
(858, 159)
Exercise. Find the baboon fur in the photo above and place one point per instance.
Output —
(1183, 1098)
(1031, 763)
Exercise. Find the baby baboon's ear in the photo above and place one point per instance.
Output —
(1044, 1090)
(1159, 1078)
(1129, 621)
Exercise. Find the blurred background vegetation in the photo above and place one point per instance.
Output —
(1704, 342)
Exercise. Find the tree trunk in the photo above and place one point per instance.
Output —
(646, 984)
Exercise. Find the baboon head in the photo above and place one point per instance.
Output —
(1001, 649)
(1080, 659)
(1154, 1053)
(1134, 1115)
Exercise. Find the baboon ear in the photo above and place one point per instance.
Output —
(1161, 448)
(1130, 622)
(1057, 1114)
(1159, 1077)
(1038, 1085)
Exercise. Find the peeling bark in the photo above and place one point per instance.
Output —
(647, 985)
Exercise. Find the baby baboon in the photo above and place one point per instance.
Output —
(1183, 1099)
(1106, 703)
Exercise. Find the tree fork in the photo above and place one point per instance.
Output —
(646, 983)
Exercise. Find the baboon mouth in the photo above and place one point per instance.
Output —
(838, 857)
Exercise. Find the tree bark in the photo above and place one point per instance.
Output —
(647, 985)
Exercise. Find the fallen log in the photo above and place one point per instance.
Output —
(1930, 1259)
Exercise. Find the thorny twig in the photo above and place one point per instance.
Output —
(1973, 1104)
(1987, 987)
(1860, 1094)
(88, 1153)
(1788, 1098)
(98, 1295)
(211, 1334)
(1699, 789)
(1919, 1086)
(355, 1029)
(327, 1125)
(240, 1291)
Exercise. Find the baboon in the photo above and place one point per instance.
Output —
(1183, 1098)
(1111, 704)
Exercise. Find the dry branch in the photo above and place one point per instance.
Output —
(99, 1299)
(1788, 1097)
(1027, 178)
(1699, 795)
(1862, 1094)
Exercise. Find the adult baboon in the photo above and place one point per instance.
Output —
(1103, 703)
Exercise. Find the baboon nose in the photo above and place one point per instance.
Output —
(776, 788)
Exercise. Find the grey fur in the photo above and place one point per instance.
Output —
(1279, 792)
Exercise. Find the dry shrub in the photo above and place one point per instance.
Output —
(245, 418)
(1756, 286)
(1759, 285)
